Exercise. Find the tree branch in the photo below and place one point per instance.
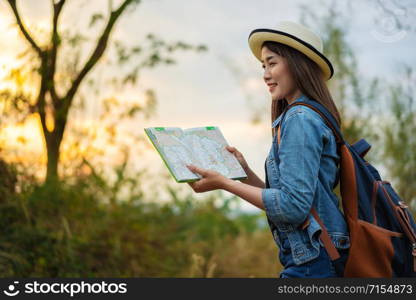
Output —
(62, 113)
(55, 42)
(40, 104)
(26, 34)
(98, 51)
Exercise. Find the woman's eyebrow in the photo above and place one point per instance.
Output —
(268, 58)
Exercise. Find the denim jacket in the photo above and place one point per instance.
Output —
(301, 172)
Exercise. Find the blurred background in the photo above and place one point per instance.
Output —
(82, 190)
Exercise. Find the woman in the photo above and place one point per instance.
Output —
(302, 163)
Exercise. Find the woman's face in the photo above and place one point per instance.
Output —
(277, 76)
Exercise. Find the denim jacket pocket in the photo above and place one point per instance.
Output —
(304, 243)
(285, 227)
(282, 242)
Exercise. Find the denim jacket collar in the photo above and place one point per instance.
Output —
(299, 99)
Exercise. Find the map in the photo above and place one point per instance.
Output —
(203, 147)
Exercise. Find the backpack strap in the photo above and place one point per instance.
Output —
(326, 116)
(278, 134)
(325, 238)
(361, 147)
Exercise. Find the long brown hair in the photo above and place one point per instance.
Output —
(308, 78)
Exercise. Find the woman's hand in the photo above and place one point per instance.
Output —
(239, 157)
(211, 180)
(252, 178)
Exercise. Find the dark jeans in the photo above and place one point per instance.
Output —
(320, 267)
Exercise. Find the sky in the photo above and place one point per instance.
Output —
(203, 89)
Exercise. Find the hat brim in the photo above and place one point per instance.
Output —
(259, 36)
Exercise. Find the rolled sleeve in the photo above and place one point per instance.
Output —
(272, 207)
(300, 150)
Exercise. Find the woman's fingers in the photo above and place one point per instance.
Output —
(195, 169)
(238, 155)
(232, 149)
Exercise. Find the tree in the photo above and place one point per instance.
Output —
(399, 152)
(52, 103)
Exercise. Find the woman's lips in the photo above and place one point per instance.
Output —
(271, 87)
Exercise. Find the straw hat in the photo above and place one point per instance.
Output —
(296, 36)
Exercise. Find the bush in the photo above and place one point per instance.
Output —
(67, 229)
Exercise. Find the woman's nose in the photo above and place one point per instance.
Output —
(266, 75)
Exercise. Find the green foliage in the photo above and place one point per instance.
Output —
(354, 95)
(63, 229)
(399, 152)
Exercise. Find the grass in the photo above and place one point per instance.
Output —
(70, 229)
